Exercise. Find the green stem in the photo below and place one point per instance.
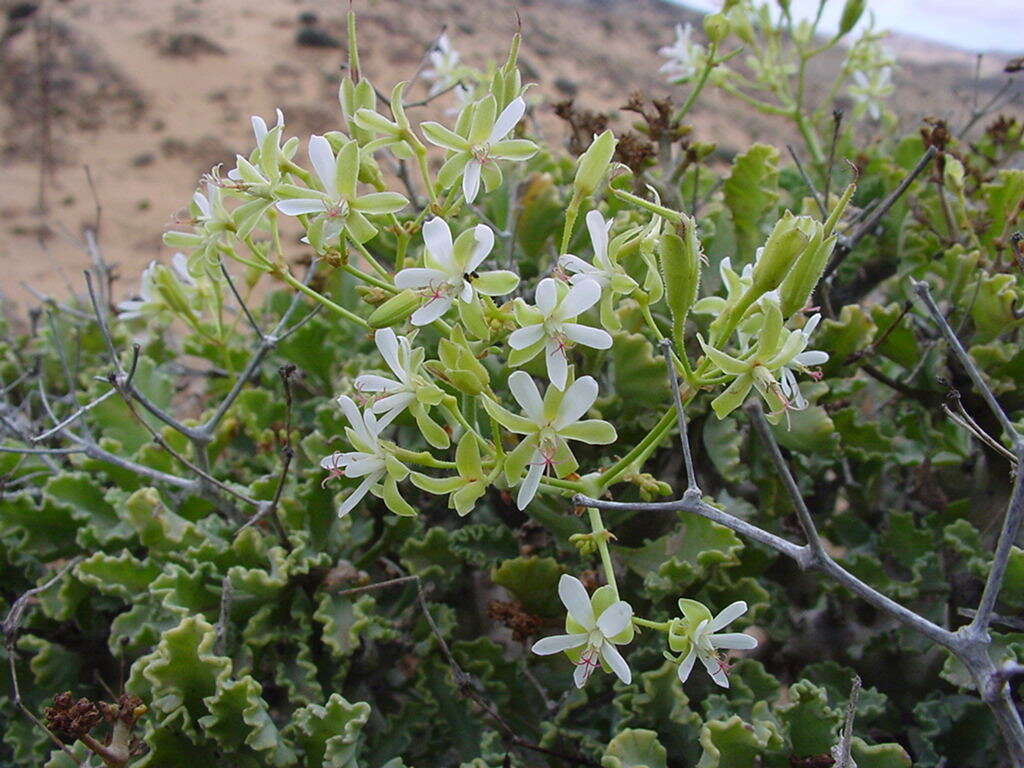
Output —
(371, 260)
(358, 273)
(570, 221)
(661, 210)
(711, 64)
(660, 626)
(337, 309)
(643, 448)
(598, 529)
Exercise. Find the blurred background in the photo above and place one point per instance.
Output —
(113, 109)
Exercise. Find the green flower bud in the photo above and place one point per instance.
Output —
(395, 309)
(716, 27)
(459, 366)
(852, 12)
(593, 163)
(171, 292)
(800, 282)
(787, 241)
(680, 267)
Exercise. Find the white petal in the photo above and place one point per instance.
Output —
(525, 391)
(546, 295)
(507, 120)
(355, 418)
(581, 297)
(367, 465)
(576, 402)
(575, 264)
(324, 163)
(687, 664)
(334, 461)
(395, 404)
(203, 203)
(524, 337)
(582, 673)
(715, 670)
(179, 263)
(576, 600)
(557, 365)
(558, 643)
(618, 664)
(466, 292)
(615, 618)
(812, 323)
(259, 128)
(419, 277)
(733, 641)
(371, 382)
(431, 311)
(387, 345)
(528, 488)
(727, 615)
(357, 495)
(471, 180)
(598, 234)
(811, 357)
(438, 237)
(301, 205)
(596, 338)
(484, 243)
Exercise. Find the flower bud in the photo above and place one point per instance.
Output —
(395, 309)
(787, 241)
(680, 267)
(459, 366)
(852, 12)
(800, 282)
(716, 27)
(593, 163)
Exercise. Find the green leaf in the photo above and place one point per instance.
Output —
(811, 723)
(330, 734)
(239, 717)
(533, 581)
(751, 194)
(635, 748)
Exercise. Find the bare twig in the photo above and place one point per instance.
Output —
(846, 737)
(684, 438)
(807, 181)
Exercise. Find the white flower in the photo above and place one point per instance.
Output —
(339, 206)
(450, 270)
(604, 270)
(706, 645)
(592, 635)
(871, 89)
(398, 395)
(151, 299)
(368, 461)
(548, 424)
(444, 65)
(801, 362)
(550, 326)
(685, 57)
(259, 126)
(474, 153)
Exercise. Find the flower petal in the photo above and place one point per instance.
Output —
(737, 641)
(546, 295)
(419, 277)
(715, 670)
(598, 229)
(524, 337)
(431, 311)
(484, 244)
(618, 664)
(576, 402)
(471, 180)
(437, 236)
(811, 357)
(557, 364)
(615, 618)
(558, 643)
(687, 664)
(525, 391)
(595, 338)
(371, 382)
(387, 345)
(357, 495)
(507, 120)
(727, 615)
(581, 297)
(576, 601)
(322, 157)
(528, 488)
(299, 206)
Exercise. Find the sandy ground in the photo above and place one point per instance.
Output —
(149, 94)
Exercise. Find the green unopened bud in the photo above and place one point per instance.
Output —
(804, 276)
(459, 366)
(171, 292)
(593, 163)
(716, 27)
(395, 309)
(787, 241)
(953, 174)
(680, 267)
(852, 12)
